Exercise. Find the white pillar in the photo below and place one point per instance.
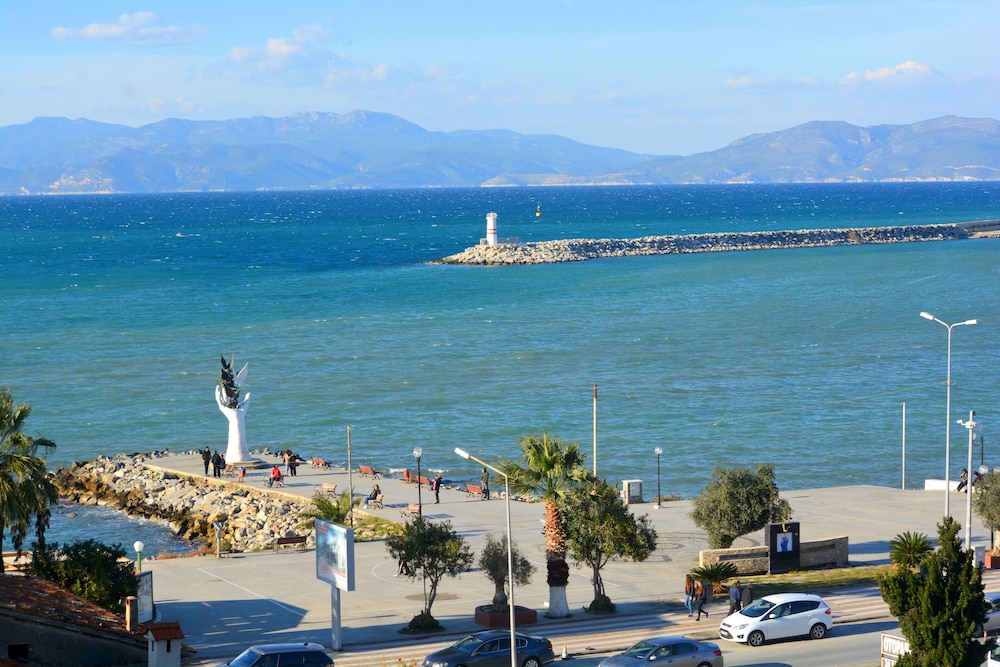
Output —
(491, 229)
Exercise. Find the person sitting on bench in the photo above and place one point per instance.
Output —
(373, 495)
(275, 475)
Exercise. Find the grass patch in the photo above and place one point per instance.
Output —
(819, 582)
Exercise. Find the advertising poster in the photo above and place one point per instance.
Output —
(335, 554)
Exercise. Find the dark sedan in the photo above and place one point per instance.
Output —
(667, 651)
(491, 648)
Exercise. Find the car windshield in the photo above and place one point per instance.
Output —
(640, 650)
(245, 659)
(758, 608)
(468, 643)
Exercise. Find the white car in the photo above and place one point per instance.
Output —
(992, 625)
(778, 616)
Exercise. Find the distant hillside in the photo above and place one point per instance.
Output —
(362, 149)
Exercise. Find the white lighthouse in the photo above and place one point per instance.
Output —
(491, 229)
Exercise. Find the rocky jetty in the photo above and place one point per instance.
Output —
(251, 518)
(578, 250)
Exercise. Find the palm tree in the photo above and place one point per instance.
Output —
(324, 507)
(26, 493)
(550, 469)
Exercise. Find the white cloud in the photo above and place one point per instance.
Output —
(138, 29)
(908, 69)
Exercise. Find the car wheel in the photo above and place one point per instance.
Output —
(705, 664)
(532, 662)
(755, 638)
(817, 631)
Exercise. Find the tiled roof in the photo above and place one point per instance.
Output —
(32, 596)
(165, 630)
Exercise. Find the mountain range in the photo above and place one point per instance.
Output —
(363, 149)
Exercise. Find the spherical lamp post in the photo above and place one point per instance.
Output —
(417, 451)
(658, 451)
(138, 546)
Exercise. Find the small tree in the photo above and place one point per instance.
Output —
(599, 527)
(940, 609)
(432, 551)
(737, 501)
(986, 502)
(94, 571)
(493, 562)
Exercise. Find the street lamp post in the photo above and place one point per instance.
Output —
(138, 546)
(971, 425)
(417, 451)
(510, 551)
(947, 421)
(658, 451)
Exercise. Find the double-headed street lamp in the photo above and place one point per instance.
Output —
(969, 479)
(510, 550)
(947, 420)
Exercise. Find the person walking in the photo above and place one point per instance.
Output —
(747, 596)
(436, 488)
(689, 593)
(735, 597)
(206, 456)
(700, 597)
(484, 482)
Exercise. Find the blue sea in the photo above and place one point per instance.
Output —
(115, 310)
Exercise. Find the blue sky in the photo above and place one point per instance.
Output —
(659, 77)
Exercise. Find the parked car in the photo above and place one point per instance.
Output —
(282, 655)
(667, 650)
(993, 658)
(491, 648)
(778, 616)
(992, 625)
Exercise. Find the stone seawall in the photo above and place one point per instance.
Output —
(251, 518)
(578, 250)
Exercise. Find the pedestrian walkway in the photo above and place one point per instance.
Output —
(225, 604)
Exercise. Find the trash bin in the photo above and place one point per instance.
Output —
(632, 491)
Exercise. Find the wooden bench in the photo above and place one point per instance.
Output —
(229, 470)
(375, 503)
(410, 511)
(289, 539)
(368, 471)
(327, 489)
(317, 462)
(471, 490)
(424, 480)
(278, 481)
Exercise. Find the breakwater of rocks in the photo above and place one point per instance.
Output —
(578, 250)
(250, 518)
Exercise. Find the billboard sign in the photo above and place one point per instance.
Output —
(335, 554)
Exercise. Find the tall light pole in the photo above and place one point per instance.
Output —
(971, 425)
(658, 451)
(947, 420)
(510, 550)
(138, 546)
(417, 451)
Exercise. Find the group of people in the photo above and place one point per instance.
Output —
(291, 462)
(696, 595)
(963, 480)
(217, 461)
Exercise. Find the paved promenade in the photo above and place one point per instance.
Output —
(225, 604)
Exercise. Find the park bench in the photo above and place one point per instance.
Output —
(289, 539)
(368, 471)
(472, 490)
(229, 470)
(317, 462)
(410, 511)
(375, 503)
(278, 481)
(424, 480)
(327, 489)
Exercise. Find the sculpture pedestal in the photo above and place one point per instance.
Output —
(491, 619)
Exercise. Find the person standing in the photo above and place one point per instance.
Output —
(436, 488)
(700, 597)
(747, 596)
(206, 456)
(484, 482)
(216, 464)
(689, 593)
(735, 597)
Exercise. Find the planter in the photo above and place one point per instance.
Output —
(991, 561)
(491, 619)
